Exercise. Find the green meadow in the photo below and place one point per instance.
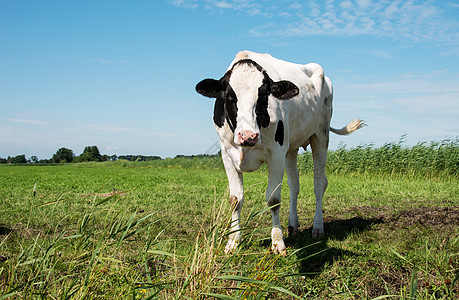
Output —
(157, 230)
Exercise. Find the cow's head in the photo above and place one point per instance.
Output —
(242, 99)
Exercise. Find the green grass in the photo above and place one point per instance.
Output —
(157, 230)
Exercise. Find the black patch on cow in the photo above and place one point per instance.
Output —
(225, 107)
(261, 110)
(284, 90)
(231, 107)
(279, 136)
(209, 87)
(219, 112)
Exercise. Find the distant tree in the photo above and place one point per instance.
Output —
(3, 160)
(113, 157)
(90, 153)
(63, 155)
(139, 157)
(19, 159)
(34, 159)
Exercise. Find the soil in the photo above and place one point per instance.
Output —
(427, 216)
(361, 218)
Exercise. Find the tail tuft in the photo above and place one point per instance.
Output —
(350, 128)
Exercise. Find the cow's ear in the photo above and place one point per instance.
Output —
(210, 88)
(284, 89)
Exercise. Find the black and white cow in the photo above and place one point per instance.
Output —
(266, 109)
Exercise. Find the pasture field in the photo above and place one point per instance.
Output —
(157, 230)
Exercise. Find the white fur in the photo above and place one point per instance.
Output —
(245, 81)
(306, 121)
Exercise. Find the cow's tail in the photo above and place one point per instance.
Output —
(350, 128)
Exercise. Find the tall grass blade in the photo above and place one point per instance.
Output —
(414, 283)
(159, 252)
(153, 296)
(241, 279)
(93, 259)
(34, 193)
(128, 226)
(305, 247)
(285, 291)
(399, 255)
(219, 296)
(52, 202)
(386, 296)
(253, 215)
(102, 201)
(311, 255)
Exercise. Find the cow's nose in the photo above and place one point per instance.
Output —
(248, 138)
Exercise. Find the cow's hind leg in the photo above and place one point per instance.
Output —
(294, 186)
(319, 146)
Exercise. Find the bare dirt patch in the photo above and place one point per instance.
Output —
(437, 216)
(427, 216)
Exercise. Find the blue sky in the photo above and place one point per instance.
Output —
(121, 74)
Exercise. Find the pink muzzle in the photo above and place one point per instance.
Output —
(248, 138)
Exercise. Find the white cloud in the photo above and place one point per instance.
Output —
(184, 3)
(364, 3)
(346, 5)
(29, 121)
(111, 128)
(413, 20)
(223, 4)
(249, 7)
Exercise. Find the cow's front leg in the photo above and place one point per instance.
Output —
(319, 155)
(273, 198)
(236, 200)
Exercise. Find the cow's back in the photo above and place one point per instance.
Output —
(278, 69)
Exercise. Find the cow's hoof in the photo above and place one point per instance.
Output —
(292, 231)
(283, 253)
(230, 247)
(233, 242)
(317, 234)
(278, 245)
(278, 249)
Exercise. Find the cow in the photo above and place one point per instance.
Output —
(265, 110)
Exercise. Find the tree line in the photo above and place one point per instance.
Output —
(65, 155)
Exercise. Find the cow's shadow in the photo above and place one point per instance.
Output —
(314, 253)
